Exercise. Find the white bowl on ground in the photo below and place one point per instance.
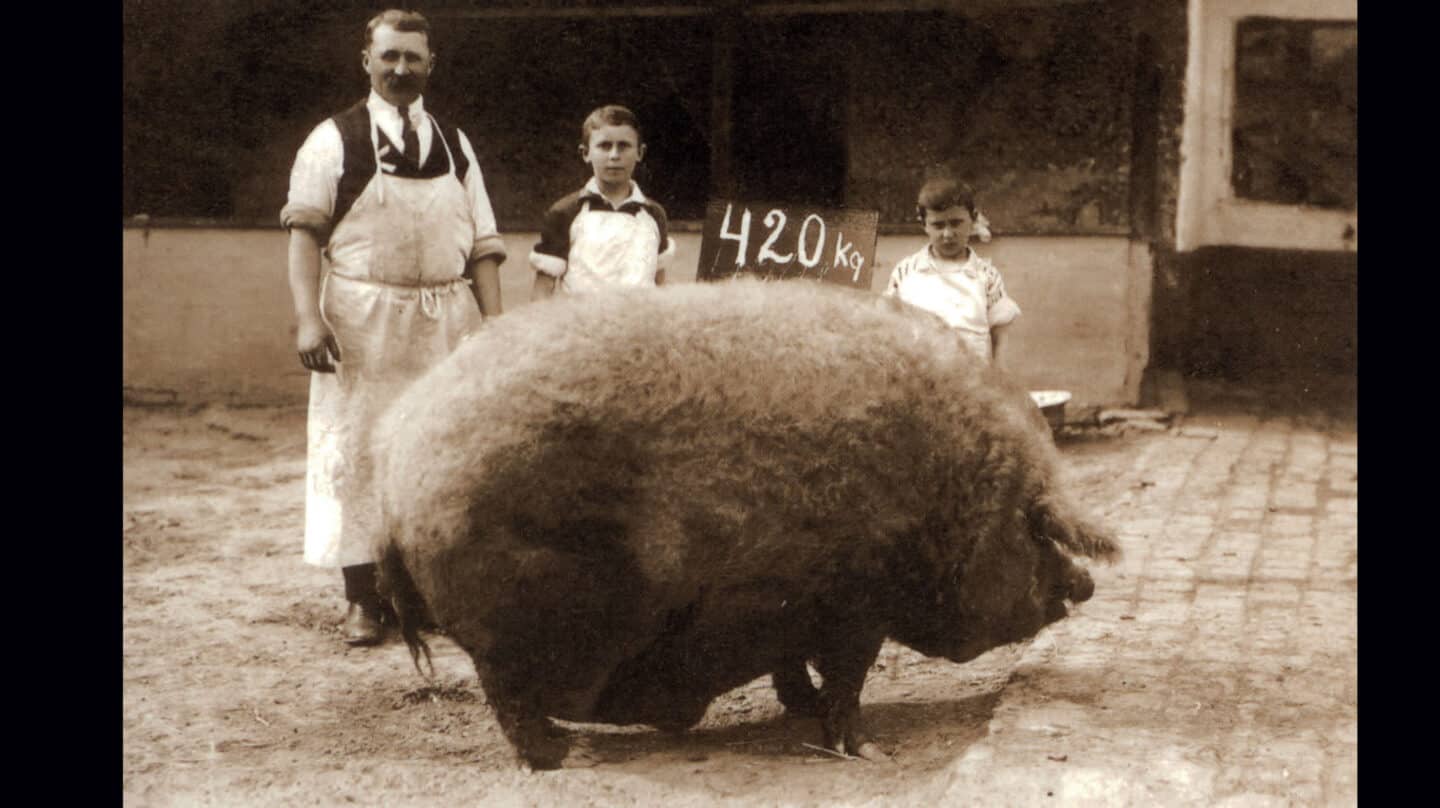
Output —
(1052, 405)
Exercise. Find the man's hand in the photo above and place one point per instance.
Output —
(313, 338)
(484, 277)
(316, 345)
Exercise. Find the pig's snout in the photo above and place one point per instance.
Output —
(1080, 584)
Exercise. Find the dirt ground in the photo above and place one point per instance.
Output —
(239, 691)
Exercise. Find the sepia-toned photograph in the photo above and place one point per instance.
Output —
(816, 403)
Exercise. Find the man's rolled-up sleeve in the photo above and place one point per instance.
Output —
(488, 242)
(314, 178)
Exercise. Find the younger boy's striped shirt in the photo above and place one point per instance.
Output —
(968, 295)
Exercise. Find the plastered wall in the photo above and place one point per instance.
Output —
(207, 312)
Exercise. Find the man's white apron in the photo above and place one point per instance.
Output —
(395, 299)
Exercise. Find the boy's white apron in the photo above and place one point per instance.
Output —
(397, 304)
(611, 248)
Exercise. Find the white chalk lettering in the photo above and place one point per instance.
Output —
(809, 260)
(775, 220)
(742, 237)
(846, 255)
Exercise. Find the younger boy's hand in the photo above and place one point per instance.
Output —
(316, 345)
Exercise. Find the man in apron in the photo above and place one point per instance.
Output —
(397, 203)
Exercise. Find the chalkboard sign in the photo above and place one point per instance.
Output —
(788, 241)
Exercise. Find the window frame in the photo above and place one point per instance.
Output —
(1208, 210)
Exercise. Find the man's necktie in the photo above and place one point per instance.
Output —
(410, 137)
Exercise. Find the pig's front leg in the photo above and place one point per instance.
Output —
(843, 670)
(792, 685)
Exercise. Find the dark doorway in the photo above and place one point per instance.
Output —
(789, 111)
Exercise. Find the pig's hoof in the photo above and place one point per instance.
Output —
(681, 718)
(559, 749)
(581, 756)
(544, 753)
(873, 753)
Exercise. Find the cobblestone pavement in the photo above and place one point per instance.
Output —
(1217, 663)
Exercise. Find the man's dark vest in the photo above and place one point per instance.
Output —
(359, 165)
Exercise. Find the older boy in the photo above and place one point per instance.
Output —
(607, 233)
(948, 278)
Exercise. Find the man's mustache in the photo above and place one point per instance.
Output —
(405, 82)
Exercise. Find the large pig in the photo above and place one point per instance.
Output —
(623, 505)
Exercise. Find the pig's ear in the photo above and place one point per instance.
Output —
(1000, 565)
(1059, 522)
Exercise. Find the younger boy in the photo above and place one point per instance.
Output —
(948, 278)
(607, 233)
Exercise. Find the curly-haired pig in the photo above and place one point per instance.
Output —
(623, 505)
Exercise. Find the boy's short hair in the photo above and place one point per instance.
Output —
(402, 20)
(939, 193)
(610, 115)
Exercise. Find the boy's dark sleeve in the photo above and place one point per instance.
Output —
(551, 255)
(666, 246)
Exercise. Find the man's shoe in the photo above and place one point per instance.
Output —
(363, 626)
